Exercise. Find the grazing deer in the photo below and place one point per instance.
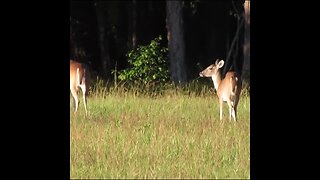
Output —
(228, 89)
(79, 77)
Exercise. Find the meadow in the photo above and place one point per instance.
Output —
(145, 132)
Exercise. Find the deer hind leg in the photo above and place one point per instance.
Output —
(232, 110)
(75, 99)
(233, 106)
(230, 105)
(234, 114)
(236, 99)
(84, 94)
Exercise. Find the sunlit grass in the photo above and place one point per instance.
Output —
(175, 133)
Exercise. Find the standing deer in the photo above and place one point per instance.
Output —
(79, 77)
(228, 89)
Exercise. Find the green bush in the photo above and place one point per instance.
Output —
(147, 64)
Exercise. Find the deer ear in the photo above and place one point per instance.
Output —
(217, 61)
(220, 64)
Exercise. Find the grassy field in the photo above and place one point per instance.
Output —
(172, 135)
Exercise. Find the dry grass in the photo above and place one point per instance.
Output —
(172, 135)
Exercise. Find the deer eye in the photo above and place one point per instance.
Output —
(210, 68)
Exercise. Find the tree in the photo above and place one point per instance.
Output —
(103, 44)
(235, 52)
(134, 24)
(176, 43)
(246, 46)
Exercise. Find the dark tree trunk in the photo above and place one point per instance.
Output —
(246, 47)
(103, 43)
(175, 35)
(71, 41)
(134, 24)
(234, 59)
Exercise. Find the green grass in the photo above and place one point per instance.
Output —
(172, 135)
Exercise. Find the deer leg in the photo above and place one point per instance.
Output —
(84, 94)
(235, 108)
(234, 114)
(230, 109)
(75, 99)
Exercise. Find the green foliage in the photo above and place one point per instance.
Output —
(148, 64)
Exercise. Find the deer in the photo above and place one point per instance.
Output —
(228, 89)
(79, 78)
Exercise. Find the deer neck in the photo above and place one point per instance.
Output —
(216, 80)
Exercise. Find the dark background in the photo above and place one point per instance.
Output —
(101, 32)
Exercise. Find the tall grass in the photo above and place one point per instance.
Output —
(158, 132)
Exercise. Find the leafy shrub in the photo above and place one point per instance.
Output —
(148, 64)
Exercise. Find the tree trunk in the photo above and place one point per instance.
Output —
(103, 44)
(71, 41)
(234, 49)
(134, 24)
(246, 47)
(234, 59)
(175, 35)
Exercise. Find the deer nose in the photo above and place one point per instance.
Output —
(200, 74)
